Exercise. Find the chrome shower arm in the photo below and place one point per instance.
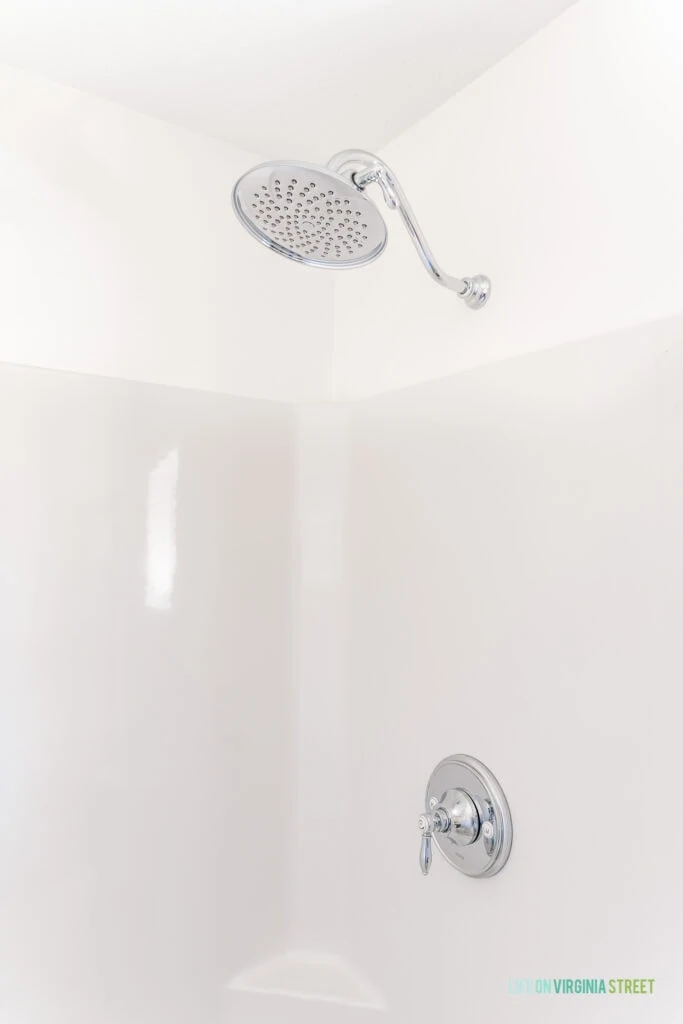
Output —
(365, 169)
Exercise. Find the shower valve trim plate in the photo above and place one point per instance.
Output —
(467, 817)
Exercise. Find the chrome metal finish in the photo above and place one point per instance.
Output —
(320, 216)
(467, 817)
(365, 169)
(309, 214)
(455, 815)
(478, 291)
(425, 826)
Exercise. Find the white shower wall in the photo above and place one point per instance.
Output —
(489, 564)
(515, 591)
(237, 638)
(145, 688)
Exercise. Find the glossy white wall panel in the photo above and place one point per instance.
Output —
(133, 738)
(322, 824)
(490, 563)
(515, 559)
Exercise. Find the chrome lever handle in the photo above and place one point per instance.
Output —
(426, 854)
(424, 825)
(428, 824)
(456, 815)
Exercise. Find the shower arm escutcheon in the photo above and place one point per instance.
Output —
(364, 169)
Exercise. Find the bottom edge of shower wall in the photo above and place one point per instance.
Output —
(301, 988)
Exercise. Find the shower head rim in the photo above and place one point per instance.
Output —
(296, 257)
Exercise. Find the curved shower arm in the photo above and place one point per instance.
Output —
(365, 169)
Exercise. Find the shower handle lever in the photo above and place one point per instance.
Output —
(365, 169)
(455, 815)
(425, 825)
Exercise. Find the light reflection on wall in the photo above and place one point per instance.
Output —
(161, 532)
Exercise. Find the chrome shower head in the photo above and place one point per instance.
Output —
(320, 216)
(310, 214)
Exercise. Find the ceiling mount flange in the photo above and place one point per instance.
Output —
(478, 291)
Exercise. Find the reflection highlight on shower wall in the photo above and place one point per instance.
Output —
(161, 532)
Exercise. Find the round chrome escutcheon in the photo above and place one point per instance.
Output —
(490, 851)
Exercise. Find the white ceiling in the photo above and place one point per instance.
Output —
(284, 78)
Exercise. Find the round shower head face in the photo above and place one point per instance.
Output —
(309, 214)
